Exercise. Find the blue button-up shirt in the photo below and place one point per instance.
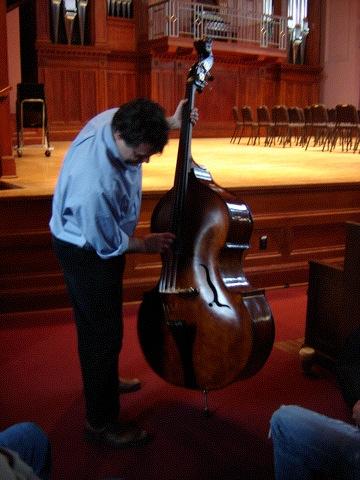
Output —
(97, 198)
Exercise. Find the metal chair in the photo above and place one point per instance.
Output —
(238, 123)
(248, 123)
(346, 127)
(264, 122)
(280, 117)
(297, 125)
(320, 128)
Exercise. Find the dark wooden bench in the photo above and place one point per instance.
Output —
(333, 307)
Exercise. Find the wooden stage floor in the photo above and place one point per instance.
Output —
(231, 165)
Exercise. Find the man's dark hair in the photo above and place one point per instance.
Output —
(142, 121)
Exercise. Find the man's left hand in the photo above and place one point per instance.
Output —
(175, 120)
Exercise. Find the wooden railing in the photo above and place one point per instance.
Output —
(176, 18)
(4, 92)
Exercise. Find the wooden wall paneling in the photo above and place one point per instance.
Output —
(300, 94)
(241, 87)
(252, 91)
(248, 86)
(30, 278)
(267, 86)
(71, 95)
(238, 80)
(121, 71)
(121, 34)
(183, 65)
(121, 87)
(118, 80)
(164, 82)
(302, 223)
(294, 94)
(90, 88)
(215, 101)
(218, 98)
(181, 72)
(54, 91)
(163, 78)
(287, 221)
(143, 76)
(327, 235)
(285, 262)
(311, 199)
(75, 86)
(299, 85)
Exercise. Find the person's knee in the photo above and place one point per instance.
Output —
(29, 427)
(32, 429)
(33, 435)
(38, 442)
(283, 419)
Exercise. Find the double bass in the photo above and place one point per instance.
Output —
(203, 326)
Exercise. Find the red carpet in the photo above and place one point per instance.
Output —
(40, 381)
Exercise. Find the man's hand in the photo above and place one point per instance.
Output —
(356, 413)
(175, 121)
(158, 242)
(152, 243)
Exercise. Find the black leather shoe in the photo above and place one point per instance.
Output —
(128, 385)
(116, 435)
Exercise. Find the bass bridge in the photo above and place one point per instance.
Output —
(181, 292)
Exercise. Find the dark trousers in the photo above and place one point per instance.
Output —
(95, 288)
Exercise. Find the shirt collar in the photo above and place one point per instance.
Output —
(112, 151)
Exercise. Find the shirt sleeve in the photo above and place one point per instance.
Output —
(99, 220)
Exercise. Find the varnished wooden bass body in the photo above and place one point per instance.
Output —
(203, 327)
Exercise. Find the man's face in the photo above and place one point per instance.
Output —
(133, 155)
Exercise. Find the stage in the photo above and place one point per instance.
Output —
(231, 165)
(300, 202)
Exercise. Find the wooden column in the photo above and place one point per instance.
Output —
(98, 17)
(7, 160)
(43, 21)
(313, 48)
(280, 7)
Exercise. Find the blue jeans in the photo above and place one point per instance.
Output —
(32, 445)
(306, 443)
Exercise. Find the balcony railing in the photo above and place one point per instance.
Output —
(176, 18)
